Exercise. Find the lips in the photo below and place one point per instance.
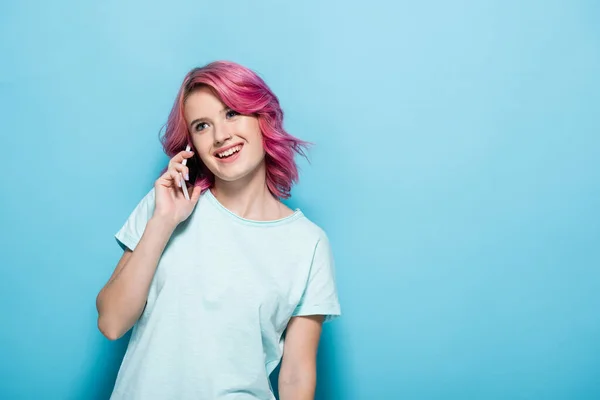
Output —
(229, 154)
(228, 151)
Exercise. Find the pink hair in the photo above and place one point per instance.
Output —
(245, 92)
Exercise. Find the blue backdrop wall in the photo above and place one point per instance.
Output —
(456, 172)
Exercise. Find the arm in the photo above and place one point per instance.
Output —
(122, 300)
(298, 374)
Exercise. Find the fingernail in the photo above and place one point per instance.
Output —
(178, 183)
(187, 177)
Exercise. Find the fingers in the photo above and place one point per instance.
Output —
(182, 155)
(177, 169)
(165, 180)
(171, 178)
(177, 177)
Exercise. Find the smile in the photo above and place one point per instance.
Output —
(229, 154)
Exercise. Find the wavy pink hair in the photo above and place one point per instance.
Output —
(245, 92)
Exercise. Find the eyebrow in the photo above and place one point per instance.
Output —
(194, 122)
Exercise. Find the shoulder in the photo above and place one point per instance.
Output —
(310, 229)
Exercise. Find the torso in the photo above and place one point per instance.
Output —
(223, 293)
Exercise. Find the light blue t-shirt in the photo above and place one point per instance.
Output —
(220, 300)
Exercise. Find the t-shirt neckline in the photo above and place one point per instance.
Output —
(292, 217)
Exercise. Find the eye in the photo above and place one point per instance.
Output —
(199, 126)
(231, 113)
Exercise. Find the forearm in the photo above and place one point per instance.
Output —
(121, 302)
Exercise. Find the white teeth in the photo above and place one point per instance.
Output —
(230, 151)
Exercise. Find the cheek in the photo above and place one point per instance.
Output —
(255, 136)
(256, 144)
(204, 158)
(201, 148)
(251, 129)
(261, 150)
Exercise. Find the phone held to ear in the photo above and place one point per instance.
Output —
(183, 185)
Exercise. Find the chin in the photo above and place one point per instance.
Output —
(236, 173)
(230, 178)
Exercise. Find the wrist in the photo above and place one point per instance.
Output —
(163, 222)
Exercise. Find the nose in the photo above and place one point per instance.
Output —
(221, 134)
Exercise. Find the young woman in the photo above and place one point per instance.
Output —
(222, 287)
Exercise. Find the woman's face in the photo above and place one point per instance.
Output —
(228, 143)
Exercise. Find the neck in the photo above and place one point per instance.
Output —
(249, 197)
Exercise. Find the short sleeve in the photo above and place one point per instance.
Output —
(131, 232)
(320, 295)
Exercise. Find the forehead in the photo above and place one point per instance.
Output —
(202, 102)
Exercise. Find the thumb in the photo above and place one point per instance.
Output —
(195, 195)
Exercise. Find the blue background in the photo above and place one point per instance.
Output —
(456, 172)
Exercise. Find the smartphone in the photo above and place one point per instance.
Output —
(183, 185)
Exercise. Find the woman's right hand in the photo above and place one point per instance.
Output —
(171, 203)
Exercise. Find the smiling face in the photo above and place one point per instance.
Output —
(228, 143)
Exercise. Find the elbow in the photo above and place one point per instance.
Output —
(106, 323)
(297, 380)
(110, 332)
